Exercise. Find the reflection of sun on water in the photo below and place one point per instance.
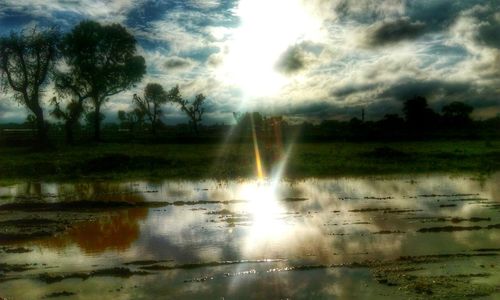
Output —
(265, 212)
(268, 28)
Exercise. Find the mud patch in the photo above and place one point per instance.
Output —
(120, 272)
(59, 294)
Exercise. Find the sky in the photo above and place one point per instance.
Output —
(305, 59)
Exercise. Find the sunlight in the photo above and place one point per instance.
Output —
(258, 161)
(267, 29)
(264, 207)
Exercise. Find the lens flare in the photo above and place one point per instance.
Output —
(258, 161)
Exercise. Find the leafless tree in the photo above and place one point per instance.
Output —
(26, 59)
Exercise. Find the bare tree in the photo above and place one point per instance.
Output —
(26, 58)
(150, 105)
(193, 110)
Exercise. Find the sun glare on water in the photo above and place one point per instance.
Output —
(268, 28)
(265, 210)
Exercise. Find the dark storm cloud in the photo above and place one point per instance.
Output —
(397, 20)
(409, 88)
(437, 14)
(333, 110)
(427, 16)
(389, 32)
(488, 27)
(352, 89)
(440, 93)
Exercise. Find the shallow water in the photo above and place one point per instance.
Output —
(255, 239)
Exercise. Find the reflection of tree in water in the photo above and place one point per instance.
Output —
(109, 230)
(99, 191)
(114, 231)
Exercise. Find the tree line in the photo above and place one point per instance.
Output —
(416, 121)
(87, 65)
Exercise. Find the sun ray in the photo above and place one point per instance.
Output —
(258, 161)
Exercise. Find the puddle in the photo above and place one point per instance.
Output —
(373, 238)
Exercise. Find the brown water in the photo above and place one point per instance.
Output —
(254, 239)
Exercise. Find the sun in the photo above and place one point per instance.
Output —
(267, 29)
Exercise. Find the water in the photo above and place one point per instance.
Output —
(315, 238)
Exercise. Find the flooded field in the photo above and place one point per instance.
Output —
(405, 237)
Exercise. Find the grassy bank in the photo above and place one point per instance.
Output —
(136, 161)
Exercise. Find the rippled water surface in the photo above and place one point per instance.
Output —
(347, 238)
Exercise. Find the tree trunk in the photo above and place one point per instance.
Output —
(97, 122)
(41, 128)
(68, 126)
(195, 127)
(153, 127)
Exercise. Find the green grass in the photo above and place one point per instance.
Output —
(192, 161)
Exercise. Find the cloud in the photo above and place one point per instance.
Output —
(364, 11)
(175, 63)
(298, 57)
(111, 11)
(292, 61)
(428, 88)
(205, 4)
(353, 89)
(390, 32)
(366, 53)
(486, 25)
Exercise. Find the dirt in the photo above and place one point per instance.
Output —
(120, 272)
(76, 205)
(457, 228)
(15, 250)
(59, 294)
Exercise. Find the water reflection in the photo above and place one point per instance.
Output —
(94, 231)
(114, 231)
(308, 222)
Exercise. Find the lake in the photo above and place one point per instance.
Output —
(413, 236)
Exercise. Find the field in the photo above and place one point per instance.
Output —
(195, 161)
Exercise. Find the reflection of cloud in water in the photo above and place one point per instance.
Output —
(314, 221)
(298, 229)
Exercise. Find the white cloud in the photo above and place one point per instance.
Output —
(112, 10)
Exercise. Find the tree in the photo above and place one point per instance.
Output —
(193, 110)
(391, 122)
(70, 115)
(103, 62)
(150, 104)
(132, 119)
(26, 59)
(457, 113)
(90, 119)
(418, 115)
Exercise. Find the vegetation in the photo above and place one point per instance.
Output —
(114, 161)
(149, 105)
(103, 62)
(93, 62)
(25, 62)
(193, 110)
